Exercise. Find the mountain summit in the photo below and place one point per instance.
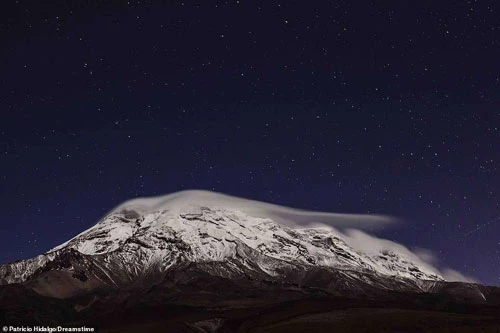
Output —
(146, 236)
(197, 248)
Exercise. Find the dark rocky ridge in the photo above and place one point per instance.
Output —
(195, 293)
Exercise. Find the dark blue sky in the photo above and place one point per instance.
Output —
(385, 107)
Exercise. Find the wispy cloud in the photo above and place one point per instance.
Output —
(423, 258)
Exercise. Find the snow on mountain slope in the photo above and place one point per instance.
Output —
(202, 227)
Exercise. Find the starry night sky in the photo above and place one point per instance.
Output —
(388, 107)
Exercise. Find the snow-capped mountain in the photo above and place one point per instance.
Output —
(143, 238)
(197, 261)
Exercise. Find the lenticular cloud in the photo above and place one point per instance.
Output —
(291, 217)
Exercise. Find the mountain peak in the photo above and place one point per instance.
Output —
(147, 237)
(214, 228)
